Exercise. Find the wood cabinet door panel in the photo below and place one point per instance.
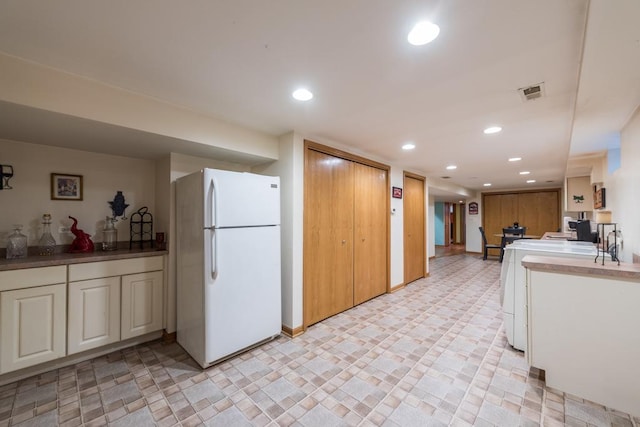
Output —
(141, 304)
(370, 239)
(328, 236)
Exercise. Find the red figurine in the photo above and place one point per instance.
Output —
(82, 243)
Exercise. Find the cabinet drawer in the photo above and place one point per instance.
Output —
(95, 270)
(30, 277)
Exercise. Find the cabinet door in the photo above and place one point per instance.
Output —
(328, 236)
(370, 240)
(94, 313)
(32, 328)
(141, 304)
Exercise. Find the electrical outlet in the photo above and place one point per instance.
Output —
(63, 230)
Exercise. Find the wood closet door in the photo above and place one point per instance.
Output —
(370, 245)
(328, 236)
(499, 211)
(414, 229)
(539, 211)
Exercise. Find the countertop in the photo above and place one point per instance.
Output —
(578, 266)
(64, 258)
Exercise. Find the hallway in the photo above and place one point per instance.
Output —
(432, 353)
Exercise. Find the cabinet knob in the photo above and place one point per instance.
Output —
(344, 241)
(363, 239)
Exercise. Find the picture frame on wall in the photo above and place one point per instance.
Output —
(396, 192)
(66, 186)
(599, 198)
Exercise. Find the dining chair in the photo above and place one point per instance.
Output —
(486, 246)
(510, 235)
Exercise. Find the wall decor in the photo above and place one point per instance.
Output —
(473, 208)
(66, 186)
(599, 199)
(396, 192)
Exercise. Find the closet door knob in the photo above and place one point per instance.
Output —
(344, 241)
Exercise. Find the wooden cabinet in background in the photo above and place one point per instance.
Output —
(345, 232)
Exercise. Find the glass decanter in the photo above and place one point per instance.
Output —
(46, 244)
(16, 243)
(109, 235)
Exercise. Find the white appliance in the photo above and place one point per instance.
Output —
(513, 280)
(228, 263)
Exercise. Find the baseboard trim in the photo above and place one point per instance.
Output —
(397, 288)
(292, 333)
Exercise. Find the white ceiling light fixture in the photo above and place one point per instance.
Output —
(525, 173)
(531, 181)
(408, 146)
(515, 159)
(452, 167)
(492, 129)
(302, 94)
(487, 184)
(422, 33)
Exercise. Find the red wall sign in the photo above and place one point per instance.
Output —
(473, 208)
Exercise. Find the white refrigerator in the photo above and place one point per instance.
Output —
(228, 263)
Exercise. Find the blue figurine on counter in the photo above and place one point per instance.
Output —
(118, 205)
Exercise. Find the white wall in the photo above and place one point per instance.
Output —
(622, 188)
(474, 240)
(290, 168)
(103, 175)
(396, 244)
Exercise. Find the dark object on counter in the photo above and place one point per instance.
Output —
(160, 243)
(118, 205)
(141, 228)
(82, 243)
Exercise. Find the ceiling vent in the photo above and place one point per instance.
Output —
(532, 92)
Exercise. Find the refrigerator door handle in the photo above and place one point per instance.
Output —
(214, 255)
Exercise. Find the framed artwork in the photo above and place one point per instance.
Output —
(396, 192)
(599, 199)
(473, 208)
(66, 186)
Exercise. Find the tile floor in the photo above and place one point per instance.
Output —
(433, 353)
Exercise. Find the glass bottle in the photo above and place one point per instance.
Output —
(109, 235)
(46, 244)
(17, 243)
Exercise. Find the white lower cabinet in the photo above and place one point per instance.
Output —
(32, 326)
(141, 304)
(94, 314)
(47, 313)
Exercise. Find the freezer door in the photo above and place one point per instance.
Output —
(243, 297)
(241, 199)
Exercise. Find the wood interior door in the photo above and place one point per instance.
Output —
(328, 236)
(370, 239)
(414, 228)
(539, 211)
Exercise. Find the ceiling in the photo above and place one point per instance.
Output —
(240, 60)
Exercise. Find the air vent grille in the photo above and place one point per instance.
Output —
(530, 93)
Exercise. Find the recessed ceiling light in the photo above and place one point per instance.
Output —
(408, 146)
(525, 173)
(531, 181)
(460, 201)
(452, 167)
(487, 184)
(492, 129)
(422, 33)
(302, 94)
(515, 159)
